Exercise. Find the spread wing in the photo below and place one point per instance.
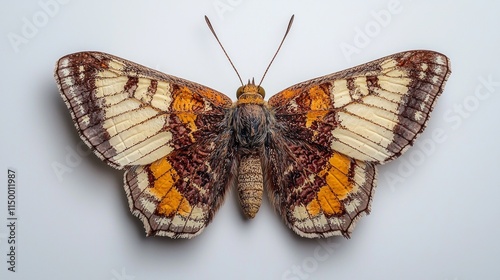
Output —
(334, 129)
(132, 115)
(318, 192)
(178, 195)
(168, 133)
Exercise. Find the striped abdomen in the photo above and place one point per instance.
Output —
(250, 184)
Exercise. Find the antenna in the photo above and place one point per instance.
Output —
(217, 38)
(282, 40)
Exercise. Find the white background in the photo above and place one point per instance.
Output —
(436, 211)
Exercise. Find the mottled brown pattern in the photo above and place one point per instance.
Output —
(189, 164)
(350, 86)
(131, 85)
(152, 87)
(372, 84)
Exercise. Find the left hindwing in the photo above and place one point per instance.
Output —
(330, 132)
(179, 195)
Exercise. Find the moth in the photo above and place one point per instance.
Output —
(313, 147)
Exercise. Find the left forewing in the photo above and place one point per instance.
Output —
(129, 114)
(372, 112)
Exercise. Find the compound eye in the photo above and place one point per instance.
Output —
(261, 91)
(239, 92)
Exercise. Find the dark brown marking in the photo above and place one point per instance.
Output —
(131, 85)
(372, 84)
(351, 86)
(152, 87)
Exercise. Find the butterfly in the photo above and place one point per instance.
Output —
(313, 147)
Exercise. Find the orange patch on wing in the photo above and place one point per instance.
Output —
(185, 104)
(320, 100)
(338, 186)
(174, 203)
(165, 177)
(188, 119)
(313, 207)
(326, 202)
(185, 100)
(215, 97)
(319, 104)
(172, 200)
(337, 176)
(286, 95)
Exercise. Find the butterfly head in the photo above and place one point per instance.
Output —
(251, 88)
